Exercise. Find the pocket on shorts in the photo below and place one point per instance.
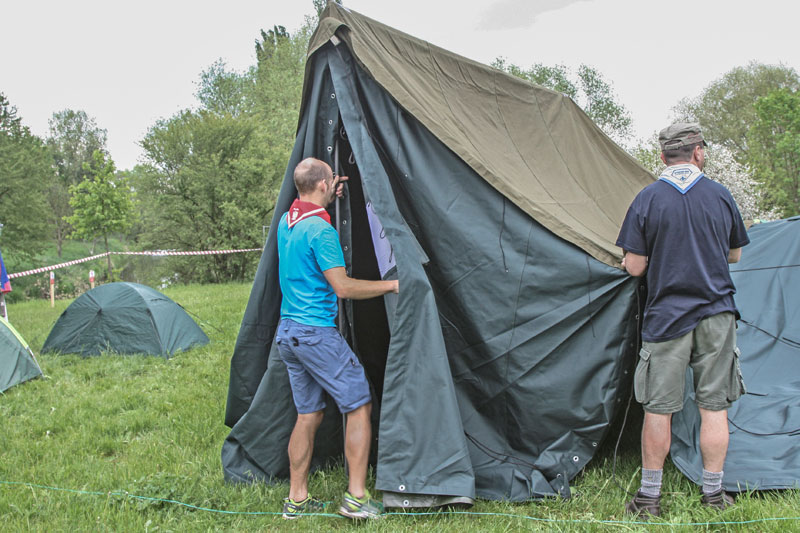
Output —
(736, 387)
(640, 377)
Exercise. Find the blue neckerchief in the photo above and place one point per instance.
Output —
(682, 177)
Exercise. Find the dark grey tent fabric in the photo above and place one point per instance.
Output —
(127, 318)
(765, 423)
(508, 347)
(17, 363)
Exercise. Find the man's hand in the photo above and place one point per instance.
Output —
(338, 184)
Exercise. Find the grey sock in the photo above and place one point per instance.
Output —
(712, 481)
(651, 482)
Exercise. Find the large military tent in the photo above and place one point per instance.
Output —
(127, 318)
(17, 362)
(765, 423)
(499, 366)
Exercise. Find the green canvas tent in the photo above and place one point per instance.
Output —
(17, 362)
(499, 366)
(126, 318)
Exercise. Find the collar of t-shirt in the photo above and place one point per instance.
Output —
(301, 210)
(682, 177)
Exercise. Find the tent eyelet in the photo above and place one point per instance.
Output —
(402, 488)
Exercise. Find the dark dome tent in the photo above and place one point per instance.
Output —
(17, 362)
(127, 318)
(764, 424)
(498, 367)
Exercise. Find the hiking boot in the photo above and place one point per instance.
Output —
(719, 499)
(293, 509)
(643, 505)
(360, 508)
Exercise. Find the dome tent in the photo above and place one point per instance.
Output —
(17, 363)
(127, 318)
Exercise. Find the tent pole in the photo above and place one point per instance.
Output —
(341, 302)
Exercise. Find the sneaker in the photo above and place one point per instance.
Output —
(643, 505)
(718, 499)
(293, 509)
(359, 508)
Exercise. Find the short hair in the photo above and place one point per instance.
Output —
(308, 173)
(680, 154)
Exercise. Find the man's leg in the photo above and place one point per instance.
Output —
(656, 438)
(358, 438)
(713, 447)
(301, 446)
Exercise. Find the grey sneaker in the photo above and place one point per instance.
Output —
(293, 509)
(360, 508)
(642, 505)
(718, 500)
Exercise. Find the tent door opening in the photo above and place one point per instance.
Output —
(369, 257)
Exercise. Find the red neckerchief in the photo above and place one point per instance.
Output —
(301, 210)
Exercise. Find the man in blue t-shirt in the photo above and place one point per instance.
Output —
(682, 231)
(312, 274)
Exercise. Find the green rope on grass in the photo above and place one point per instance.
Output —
(427, 513)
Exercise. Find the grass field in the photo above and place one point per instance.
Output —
(110, 443)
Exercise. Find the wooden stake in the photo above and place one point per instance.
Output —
(91, 278)
(52, 289)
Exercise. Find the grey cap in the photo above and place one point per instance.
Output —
(680, 134)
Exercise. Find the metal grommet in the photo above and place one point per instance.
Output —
(406, 503)
(344, 222)
(330, 148)
(575, 458)
(594, 444)
(402, 488)
(330, 122)
(333, 95)
(345, 248)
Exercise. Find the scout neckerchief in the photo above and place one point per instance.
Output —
(682, 177)
(301, 210)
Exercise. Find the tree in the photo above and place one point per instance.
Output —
(73, 138)
(774, 139)
(588, 89)
(24, 174)
(102, 203)
(725, 109)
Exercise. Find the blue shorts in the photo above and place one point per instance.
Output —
(319, 360)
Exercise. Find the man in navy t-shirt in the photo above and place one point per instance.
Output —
(311, 271)
(682, 231)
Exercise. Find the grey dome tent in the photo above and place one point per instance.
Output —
(127, 318)
(17, 362)
(498, 367)
(764, 424)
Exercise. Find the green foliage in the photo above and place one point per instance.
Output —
(588, 89)
(129, 428)
(73, 138)
(102, 203)
(725, 109)
(24, 173)
(775, 149)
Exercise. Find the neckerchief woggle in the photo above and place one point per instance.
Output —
(302, 210)
(682, 177)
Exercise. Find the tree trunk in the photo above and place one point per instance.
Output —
(108, 257)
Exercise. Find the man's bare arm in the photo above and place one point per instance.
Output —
(358, 289)
(734, 255)
(635, 264)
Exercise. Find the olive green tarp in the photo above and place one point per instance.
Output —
(17, 363)
(126, 318)
(499, 366)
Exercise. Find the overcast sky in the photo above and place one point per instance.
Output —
(129, 64)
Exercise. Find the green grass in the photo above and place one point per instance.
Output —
(117, 430)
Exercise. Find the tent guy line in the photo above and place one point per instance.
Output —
(125, 494)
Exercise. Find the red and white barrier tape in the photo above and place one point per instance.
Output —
(158, 253)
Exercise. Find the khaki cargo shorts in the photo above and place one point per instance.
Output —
(710, 349)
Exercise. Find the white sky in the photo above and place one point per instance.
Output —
(129, 64)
